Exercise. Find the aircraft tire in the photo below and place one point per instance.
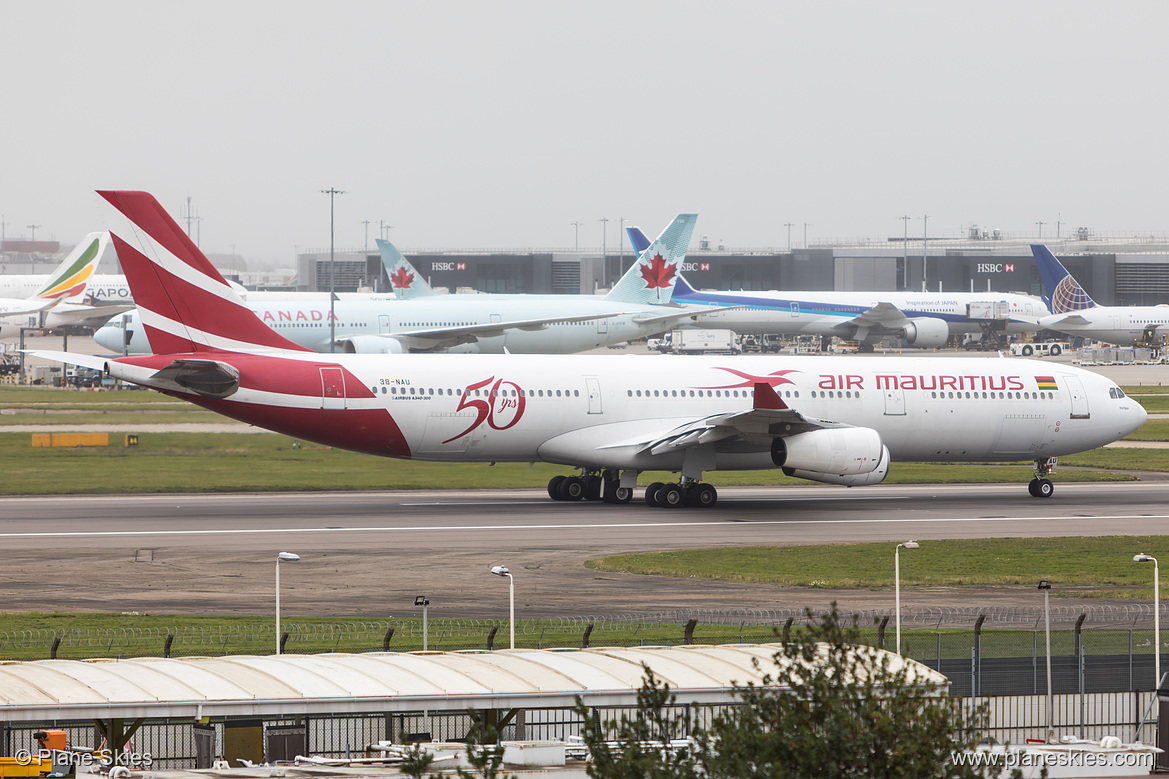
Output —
(1031, 488)
(572, 488)
(622, 495)
(702, 496)
(1045, 488)
(651, 493)
(554, 487)
(671, 496)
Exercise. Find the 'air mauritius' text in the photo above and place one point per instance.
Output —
(911, 382)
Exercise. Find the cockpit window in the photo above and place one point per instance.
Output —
(1115, 392)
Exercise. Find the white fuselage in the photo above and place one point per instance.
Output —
(103, 289)
(303, 318)
(600, 411)
(1124, 325)
(833, 313)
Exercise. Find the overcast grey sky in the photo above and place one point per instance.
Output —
(498, 124)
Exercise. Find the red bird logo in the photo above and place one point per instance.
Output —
(775, 379)
(657, 274)
(402, 278)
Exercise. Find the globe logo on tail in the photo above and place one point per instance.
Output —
(1069, 296)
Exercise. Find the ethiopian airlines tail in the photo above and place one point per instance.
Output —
(186, 305)
(72, 275)
(652, 277)
(1061, 292)
(406, 280)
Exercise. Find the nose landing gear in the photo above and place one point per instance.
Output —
(1041, 486)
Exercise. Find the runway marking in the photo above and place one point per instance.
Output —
(612, 525)
(832, 498)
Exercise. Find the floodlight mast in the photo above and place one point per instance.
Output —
(501, 570)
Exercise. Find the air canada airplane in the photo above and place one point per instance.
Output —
(55, 299)
(637, 306)
(838, 420)
(1075, 313)
(922, 319)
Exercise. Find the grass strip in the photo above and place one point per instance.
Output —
(1103, 562)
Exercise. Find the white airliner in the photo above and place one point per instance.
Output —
(636, 307)
(839, 420)
(922, 319)
(1075, 313)
(54, 299)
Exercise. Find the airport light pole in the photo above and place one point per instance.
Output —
(423, 601)
(789, 226)
(332, 192)
(287, 557)
(897, 584)
(1045, 585)
(501, 570)
(1144, 558)
(604, 235)
(925, 252)
(576, 245)
(905, 241)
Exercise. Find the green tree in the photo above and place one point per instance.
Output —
(831, 707)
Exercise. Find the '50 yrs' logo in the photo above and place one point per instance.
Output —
(500, 409)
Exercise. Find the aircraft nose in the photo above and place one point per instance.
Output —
(109, 338)
(1139, 416)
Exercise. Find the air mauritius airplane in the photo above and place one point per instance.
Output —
(922, 319)
(838, 420)
(637, 306)
(1075, 313)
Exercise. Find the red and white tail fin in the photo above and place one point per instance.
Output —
(186, 305)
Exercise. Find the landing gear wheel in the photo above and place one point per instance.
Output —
(702, 496)
(651, 493)
(1041, 488)
(622, 495)
(670, 496)
(554, 487)
(572, 488)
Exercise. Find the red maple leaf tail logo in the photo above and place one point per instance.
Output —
(657, 274)
(402, 279)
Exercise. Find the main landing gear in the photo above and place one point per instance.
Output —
(1041, 486)
(604, 486)
(688, 492)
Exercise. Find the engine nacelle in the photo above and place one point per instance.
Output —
(838, 451)
(875, 476)
(926, 332)
(372, 344)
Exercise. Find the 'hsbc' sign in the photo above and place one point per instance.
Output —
(689, 267)
(434, 266)
(995, 267)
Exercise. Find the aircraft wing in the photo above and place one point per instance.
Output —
(1066, 319)
(693, 314)
(446, 337)
(769, 418)
(18, 306)
(76, 312)
(97, 363)
(883, 315)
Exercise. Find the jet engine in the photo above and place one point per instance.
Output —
(835, 451)
(926, 332)
(875, 476)
(372, 344)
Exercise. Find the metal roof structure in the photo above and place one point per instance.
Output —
(338, 683)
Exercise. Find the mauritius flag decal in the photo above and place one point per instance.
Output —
(1046, 382)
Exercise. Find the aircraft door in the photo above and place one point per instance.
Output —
(593, 387)
(1075, 387)
(383, 323)
(602, 326)
(795, 307)
(332, 388)
(895, 402)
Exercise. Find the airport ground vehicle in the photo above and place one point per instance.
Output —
(702, 342)
(1046, 349)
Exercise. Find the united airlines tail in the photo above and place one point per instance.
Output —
(1061, 291)
(185, 304)
(406, 280)
(652, 277)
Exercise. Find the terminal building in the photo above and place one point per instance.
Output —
(1114, 271)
